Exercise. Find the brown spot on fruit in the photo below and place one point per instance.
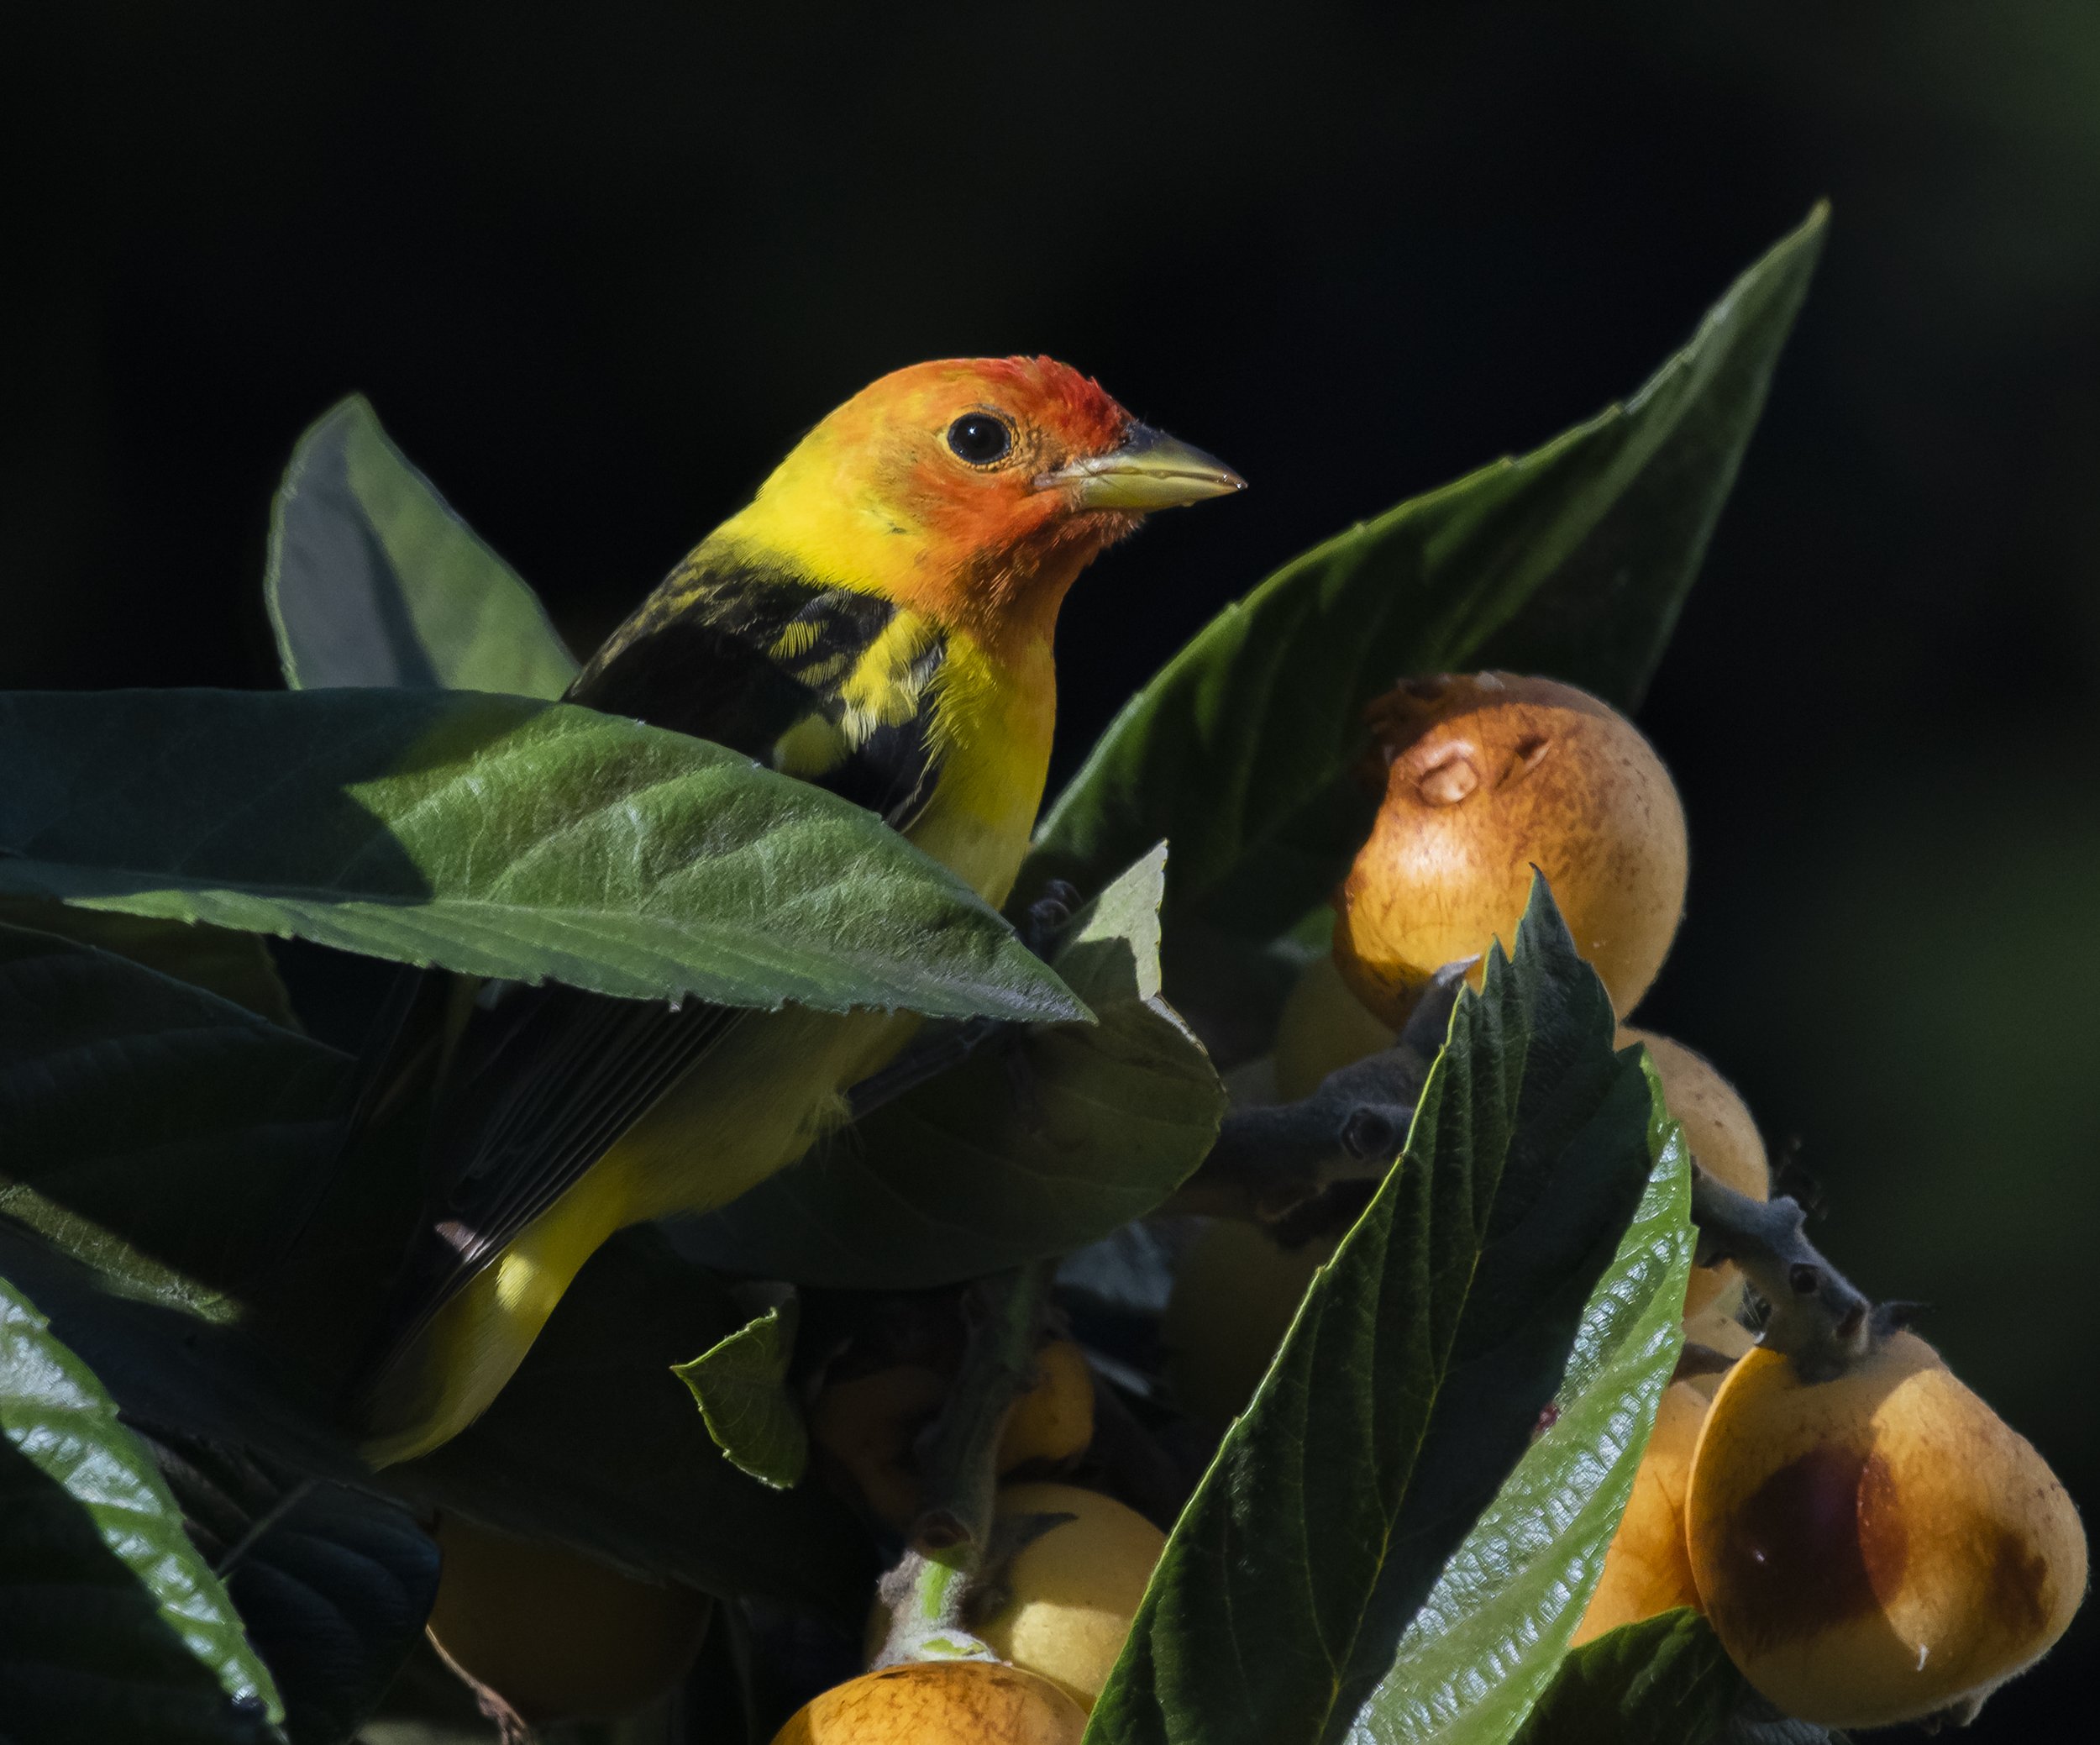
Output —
(1884, 1531)
(1793, 1559)
(2019, 1583)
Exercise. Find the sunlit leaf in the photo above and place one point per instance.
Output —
(497, 836)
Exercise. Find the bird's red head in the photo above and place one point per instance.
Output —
(974, 490)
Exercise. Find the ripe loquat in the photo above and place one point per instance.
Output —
(1487, 775)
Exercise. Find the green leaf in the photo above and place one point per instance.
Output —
(1572, 561)
(111, 1625)
(1664, 1681)
(1386, 1546)
(236, 966)
(1489, 1638)
(1013, 1157)
(495, 836)
(372, 580)
(148, 1127)
(740, 1383)
(335, 1583)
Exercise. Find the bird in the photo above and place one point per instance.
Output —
(878, 620)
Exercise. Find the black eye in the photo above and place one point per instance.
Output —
(979, 439)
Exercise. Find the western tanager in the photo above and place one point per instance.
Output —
(878, 620)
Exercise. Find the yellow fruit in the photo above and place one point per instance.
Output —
(1877, 1548)
(1324, 1026)
(1647, 1569)
(1487, 775)
(1723, 1139)
(1071, 1594)
(1234, 1294)
(1054, 1420)
(556, 1635)
(930, 1702)
(868, 1424)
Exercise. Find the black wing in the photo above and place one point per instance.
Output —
(826, 684)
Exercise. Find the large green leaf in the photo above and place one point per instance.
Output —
(1664, 1681)
(1494, 1629)
(372, 580)
(111, 1626)
(1387, 1547)
(497, 836)
(334, 1584)
(1020, 1154)
(1571, 561)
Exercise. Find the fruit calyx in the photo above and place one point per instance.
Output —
(1817, 1317)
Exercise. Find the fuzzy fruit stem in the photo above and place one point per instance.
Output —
(927, 1591)
(1818, 1318)
(1267, 1161)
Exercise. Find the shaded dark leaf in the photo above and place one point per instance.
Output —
(1664, 1681)
(147, 1126)
(1026, 1151)
(596, 1443)
(334, 1584)
(235, 966)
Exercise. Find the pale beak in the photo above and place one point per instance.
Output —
(1148, 470)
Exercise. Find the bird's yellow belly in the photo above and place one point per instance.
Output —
(753, 1103)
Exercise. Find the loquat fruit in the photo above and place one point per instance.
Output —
(555, 1634)
(1647, 1569)
(1723, 1137)
(938, 1702)
(1878, 1547)
(1487, 775)
(1235, 1293)
(1070, 1594)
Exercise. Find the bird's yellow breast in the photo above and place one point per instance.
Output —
(992, 728)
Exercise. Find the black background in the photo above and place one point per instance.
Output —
(597, 266)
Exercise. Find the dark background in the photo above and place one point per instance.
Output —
(598, 265)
